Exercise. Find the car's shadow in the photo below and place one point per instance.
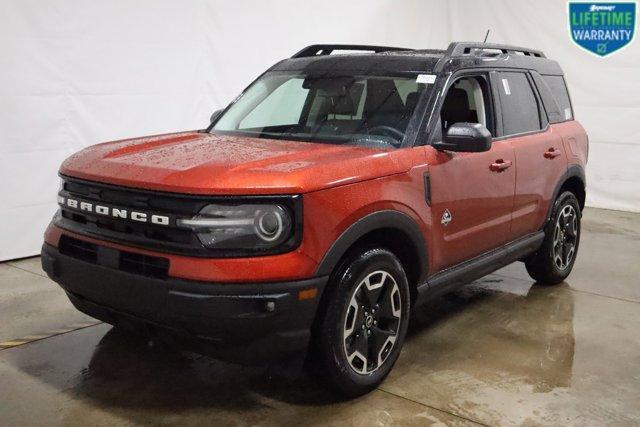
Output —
(129, 373)
(159, 375)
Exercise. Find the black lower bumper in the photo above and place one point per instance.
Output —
(245, 323)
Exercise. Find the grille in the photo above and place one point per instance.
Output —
(145, 235)
(155, 236)
(141, 264)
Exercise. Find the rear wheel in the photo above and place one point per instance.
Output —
(553, 262)
(358, 337)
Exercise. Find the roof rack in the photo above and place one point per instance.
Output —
(466, 48)
(326, 49)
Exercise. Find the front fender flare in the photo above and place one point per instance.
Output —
(384, 219)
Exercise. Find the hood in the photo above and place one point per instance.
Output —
(202, 163)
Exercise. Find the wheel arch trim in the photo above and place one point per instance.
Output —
(383, 219)
(573, 171)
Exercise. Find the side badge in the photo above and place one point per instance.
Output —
(446, 218)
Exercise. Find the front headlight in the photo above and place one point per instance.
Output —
(242, 227)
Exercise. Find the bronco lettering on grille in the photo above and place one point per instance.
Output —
(113, 212)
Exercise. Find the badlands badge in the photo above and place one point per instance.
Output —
(602, 28)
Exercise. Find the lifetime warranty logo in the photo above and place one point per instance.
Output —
(602, 28)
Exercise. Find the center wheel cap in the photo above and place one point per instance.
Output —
(368, 321)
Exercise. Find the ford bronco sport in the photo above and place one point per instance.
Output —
(335, 194)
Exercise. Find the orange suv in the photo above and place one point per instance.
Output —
(336, 193)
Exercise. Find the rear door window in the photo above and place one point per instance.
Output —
(559, 90)
(520, 111)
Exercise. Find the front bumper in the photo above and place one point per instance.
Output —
(240, 322)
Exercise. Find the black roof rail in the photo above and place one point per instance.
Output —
(465, 48)
(326, 49)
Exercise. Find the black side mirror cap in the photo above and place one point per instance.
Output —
(215, 115)
(466, 137)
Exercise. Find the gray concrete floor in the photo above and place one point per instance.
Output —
(502, 351)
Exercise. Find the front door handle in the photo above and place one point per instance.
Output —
(500, 165)
(552, 153)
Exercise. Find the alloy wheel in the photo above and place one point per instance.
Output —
(372, 322)
(565, 237)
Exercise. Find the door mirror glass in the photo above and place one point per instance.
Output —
(465, 137)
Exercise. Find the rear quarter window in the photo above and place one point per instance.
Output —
(554, 113)
(558, 88)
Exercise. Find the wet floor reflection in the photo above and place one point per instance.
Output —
(162, 376)
(500, 328)
(481, 331)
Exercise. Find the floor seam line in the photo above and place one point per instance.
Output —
(578, 290)
(604, 296)
(433, 407)
(43, 338)
(24, 269)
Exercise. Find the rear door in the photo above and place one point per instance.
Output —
(540, 158)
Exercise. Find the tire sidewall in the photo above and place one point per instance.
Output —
(566, 198)
(348, 277)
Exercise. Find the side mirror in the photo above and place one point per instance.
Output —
(466, 137)
(215, 115)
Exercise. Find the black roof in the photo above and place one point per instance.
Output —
(385, 59)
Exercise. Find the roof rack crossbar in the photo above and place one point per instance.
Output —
(326, 49)
(462, 48)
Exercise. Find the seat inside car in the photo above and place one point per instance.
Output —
(456, 108)
(383, 105)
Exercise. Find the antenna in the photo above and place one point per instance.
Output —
(486, 36)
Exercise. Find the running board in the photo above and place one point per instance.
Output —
(468, 271)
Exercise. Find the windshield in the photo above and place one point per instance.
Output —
(368, 110)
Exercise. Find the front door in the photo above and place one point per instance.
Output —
(471, 193)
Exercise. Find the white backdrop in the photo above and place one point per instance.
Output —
(74, 73)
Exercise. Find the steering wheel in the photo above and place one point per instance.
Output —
(391, 131)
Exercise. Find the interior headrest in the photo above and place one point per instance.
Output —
(344, 105)
(456, 107)
(412, 100)
(457, 100)
(383, 98)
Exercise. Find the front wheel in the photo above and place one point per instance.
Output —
(553, 262)
(358, 337)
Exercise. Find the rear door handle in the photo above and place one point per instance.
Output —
(500, 165)
(552, 153)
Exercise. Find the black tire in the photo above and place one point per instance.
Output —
(551, 264)
(338, 328)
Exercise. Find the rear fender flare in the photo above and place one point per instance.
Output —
(572, 171)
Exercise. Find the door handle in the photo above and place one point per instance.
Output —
(552, 153)
(500, 165)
